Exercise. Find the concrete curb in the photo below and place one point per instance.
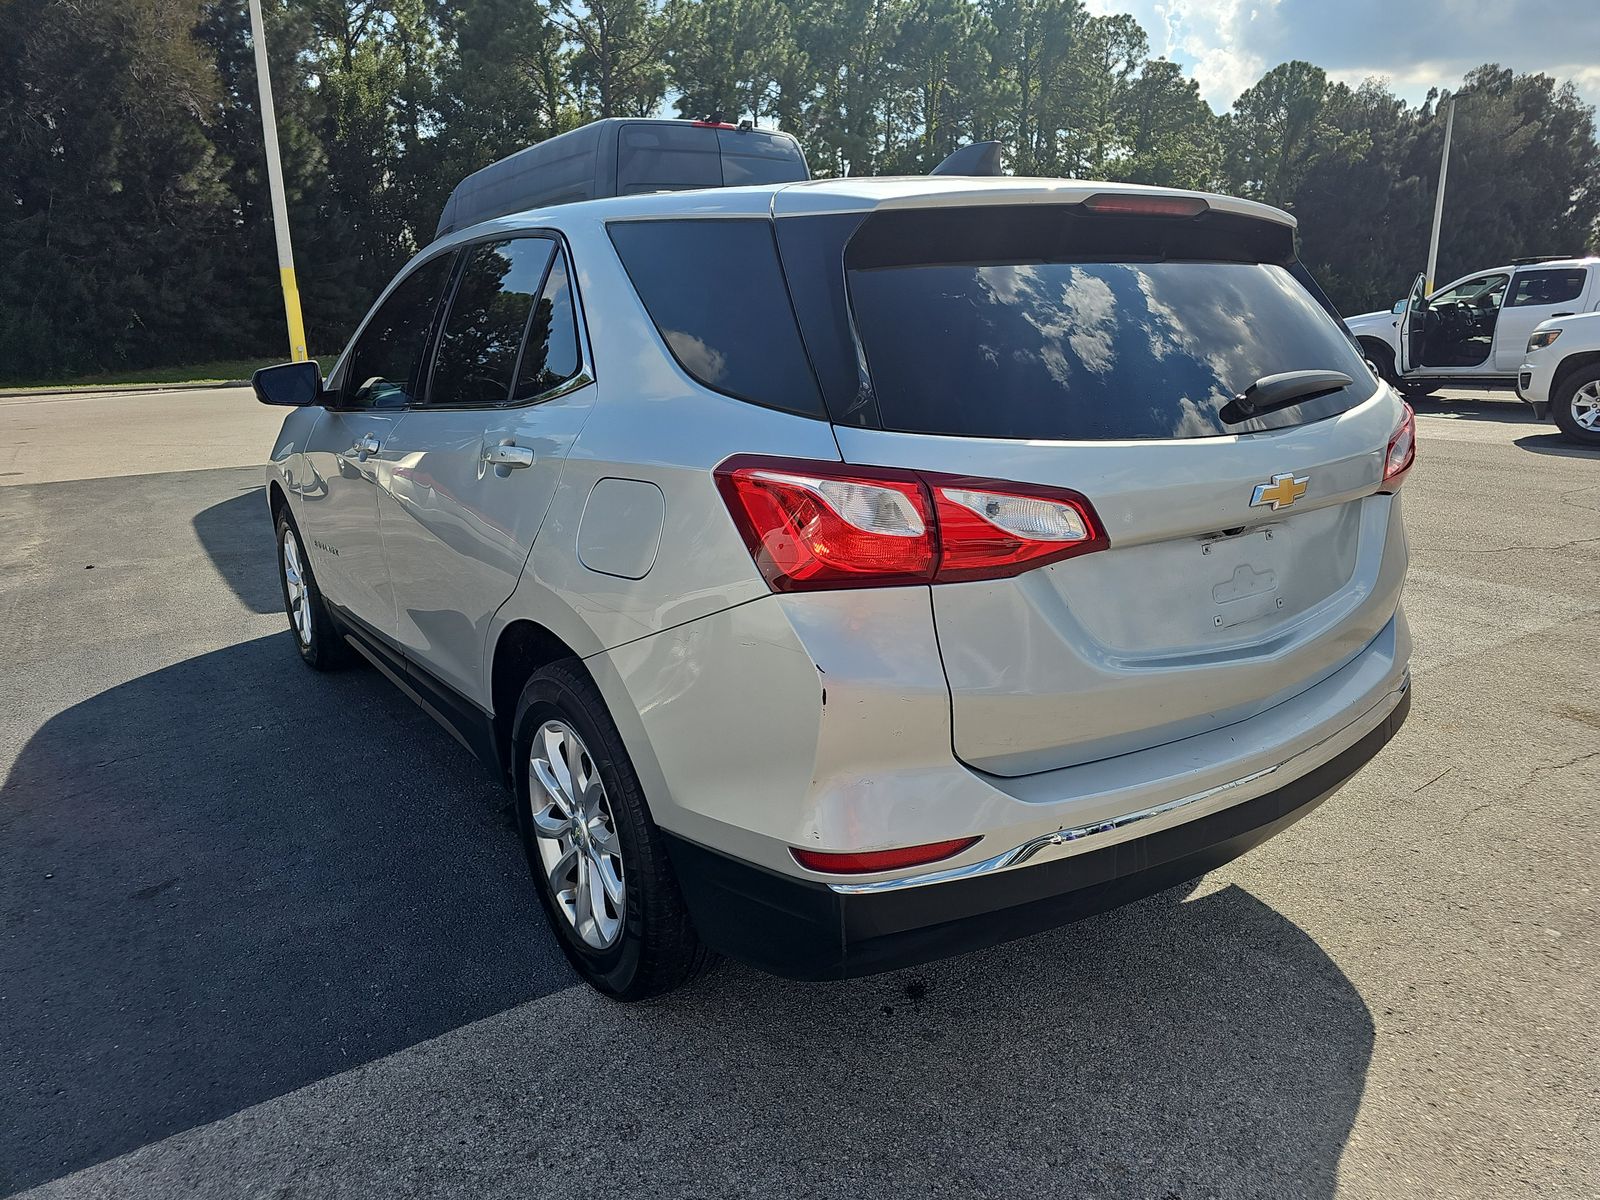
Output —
(113, 389)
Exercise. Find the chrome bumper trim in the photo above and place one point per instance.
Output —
(1075, 837)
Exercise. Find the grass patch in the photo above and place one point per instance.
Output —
(222, 371)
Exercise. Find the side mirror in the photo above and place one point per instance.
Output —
(289, 385)
(1399, 307)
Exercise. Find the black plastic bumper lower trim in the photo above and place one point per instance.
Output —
(804, 930)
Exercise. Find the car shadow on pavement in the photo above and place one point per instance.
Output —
(1557, 444)
(233, 533)
(229, 878)
(1496, 406)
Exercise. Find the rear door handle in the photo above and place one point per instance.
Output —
(366, 444)
(508, 455)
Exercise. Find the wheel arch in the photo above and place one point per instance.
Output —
(1569, 366)
(523, 646)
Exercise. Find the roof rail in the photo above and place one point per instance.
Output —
(1539, 258)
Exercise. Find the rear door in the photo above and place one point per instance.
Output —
(1247, 558)
(1536, 294)
(378, 378)
(472, 469)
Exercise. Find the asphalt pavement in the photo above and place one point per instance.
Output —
(268, 933)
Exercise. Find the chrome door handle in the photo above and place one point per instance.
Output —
(508, 455)
(366, 444)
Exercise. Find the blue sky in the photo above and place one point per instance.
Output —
(1226, 45)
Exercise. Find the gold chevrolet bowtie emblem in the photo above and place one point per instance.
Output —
(1281, 491)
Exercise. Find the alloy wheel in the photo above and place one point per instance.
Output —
(1586, 406)
(576, 834)
(294, 578)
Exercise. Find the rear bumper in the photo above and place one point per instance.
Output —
(804, 929)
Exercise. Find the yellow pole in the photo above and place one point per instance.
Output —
(280, 211)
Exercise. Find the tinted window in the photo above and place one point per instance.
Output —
(654, 158)
(550, 356)
(749, 156)
(386, 362)
(1546, 287)
(1035, 347)
(717, 296)
(488, 315)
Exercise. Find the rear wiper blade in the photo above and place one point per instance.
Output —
(1272, 392)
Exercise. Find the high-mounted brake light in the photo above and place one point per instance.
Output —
(814, 525)
(1134, 204)
(859, 863)
(1401, 452)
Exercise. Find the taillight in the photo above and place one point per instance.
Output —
(812, 525)
(860, 862)
(1401, 452)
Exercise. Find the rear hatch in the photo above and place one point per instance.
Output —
(1055, 345)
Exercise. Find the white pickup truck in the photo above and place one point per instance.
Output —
(1560, 375)
(1474, 331)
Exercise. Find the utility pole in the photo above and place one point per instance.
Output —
(1438, 201)
(280, 211)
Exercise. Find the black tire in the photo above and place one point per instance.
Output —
(322, 647)
(1562, 401)
(1418, 391)
(1382, 358)
(657, 948)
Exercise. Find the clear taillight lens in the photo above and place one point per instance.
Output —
(990, 530)
(812, 525)
(1401, 453)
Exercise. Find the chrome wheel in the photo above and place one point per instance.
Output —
(294, 578)
(576, 834)
(1586, 406)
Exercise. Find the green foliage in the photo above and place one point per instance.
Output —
(135, 227)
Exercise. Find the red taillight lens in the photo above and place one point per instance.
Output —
(812, 525)
(824, 525)
(859, 863)
(1133, 204)
(1401, 452)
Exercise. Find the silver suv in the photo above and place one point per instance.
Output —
(850, 573)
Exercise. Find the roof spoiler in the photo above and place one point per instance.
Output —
(980, 158)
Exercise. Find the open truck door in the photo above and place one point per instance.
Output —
(1413, 327)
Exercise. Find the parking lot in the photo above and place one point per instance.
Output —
(269, 933)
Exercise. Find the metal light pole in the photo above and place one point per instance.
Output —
(280, 212)
(1438, 201)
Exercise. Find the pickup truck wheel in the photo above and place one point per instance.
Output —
(1382, 358)
(321, 646)
(597, 860)
(1576, 406)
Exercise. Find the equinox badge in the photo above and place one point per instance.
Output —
(1280, 491)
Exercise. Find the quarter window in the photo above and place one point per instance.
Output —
(717, 296)
(386, 364)
(550, 354)
(489, 314)
(1546, 287)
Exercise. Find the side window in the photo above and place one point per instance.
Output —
(1472, 289)
(488, 315)
(550, 353)
(386, 364)
(717, 296)
(1546, 287)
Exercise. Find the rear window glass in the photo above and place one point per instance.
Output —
(716, 294)
(1059, 345)
(1546, 287)
(749, 156)
(655, 158)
